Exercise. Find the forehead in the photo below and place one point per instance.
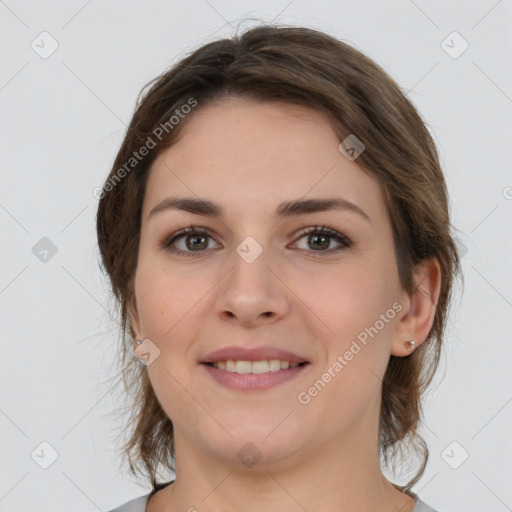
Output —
(250, 155)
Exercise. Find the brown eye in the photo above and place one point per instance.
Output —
(196, 241)
(319, 239)
(191, 240)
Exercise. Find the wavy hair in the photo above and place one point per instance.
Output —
(310, 68)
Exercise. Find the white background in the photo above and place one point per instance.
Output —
(61, 122)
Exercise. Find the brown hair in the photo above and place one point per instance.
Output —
(310, 68)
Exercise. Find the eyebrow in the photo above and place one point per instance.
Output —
(286, 209)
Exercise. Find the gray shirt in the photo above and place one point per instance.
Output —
(139, 505)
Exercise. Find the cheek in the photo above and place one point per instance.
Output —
(161, 300)
(345, 299)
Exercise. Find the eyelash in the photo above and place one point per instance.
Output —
(312, 230)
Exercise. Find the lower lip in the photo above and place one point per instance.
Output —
(253, 381)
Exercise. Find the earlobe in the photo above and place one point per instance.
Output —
(417, 319)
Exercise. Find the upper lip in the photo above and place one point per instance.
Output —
(256, 354)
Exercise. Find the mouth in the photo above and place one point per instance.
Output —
(253, 369)
(242, 367)
(256, 375)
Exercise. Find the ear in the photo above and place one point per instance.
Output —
(419, 308)
(133, 316)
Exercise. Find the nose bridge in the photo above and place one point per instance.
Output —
(250, 273)
(251, 290)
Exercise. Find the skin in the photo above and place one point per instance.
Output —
(249, 157)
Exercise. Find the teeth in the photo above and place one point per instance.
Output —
(244, 367)
(274, 365)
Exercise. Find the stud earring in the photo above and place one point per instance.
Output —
(410, 344)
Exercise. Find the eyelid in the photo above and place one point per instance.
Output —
(344, 241)
(323, 229)
(190, 230)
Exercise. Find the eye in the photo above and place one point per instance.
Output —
(195, 239)
(320, 238)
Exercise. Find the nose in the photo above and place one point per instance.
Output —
(252, 293)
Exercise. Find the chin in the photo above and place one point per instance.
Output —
(259, 447)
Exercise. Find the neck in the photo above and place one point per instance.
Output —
(338, 473)
(330, 480)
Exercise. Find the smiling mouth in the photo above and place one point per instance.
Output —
(254, 367)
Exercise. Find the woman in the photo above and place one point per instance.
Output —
(276, 230)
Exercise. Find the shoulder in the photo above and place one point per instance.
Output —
(139, 504)
(422, 507)
(136, 505)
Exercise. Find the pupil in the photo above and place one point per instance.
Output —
(316, 237)
(200, 245)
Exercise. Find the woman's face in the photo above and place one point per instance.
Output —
(257, 278)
